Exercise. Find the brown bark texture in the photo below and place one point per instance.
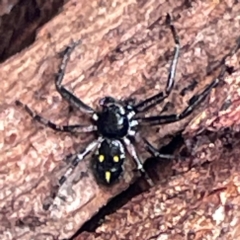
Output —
(126, 51)
(19, 21)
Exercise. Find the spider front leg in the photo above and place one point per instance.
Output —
(72, 99)
(47, 123)
(156, 99)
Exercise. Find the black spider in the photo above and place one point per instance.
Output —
(117, 123)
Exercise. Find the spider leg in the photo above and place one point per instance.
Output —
(156, 99)
(47, 123)
(154, 152)
(193, 103)
(132, 151)
(72, 99)
(79, 157)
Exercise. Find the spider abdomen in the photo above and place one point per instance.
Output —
(108, 161)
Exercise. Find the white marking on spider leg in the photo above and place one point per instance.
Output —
(133, 153)
(90, 128)
(131, 114)
(131, 132)
(68, 173)
(133, 123)
(122, 149)
(81, 156)
(95, 117)
(122, 110)
(173, 67)
(89, 148)
(149, 180)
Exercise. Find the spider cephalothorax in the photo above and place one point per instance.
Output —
(114, 120)
(117, 122)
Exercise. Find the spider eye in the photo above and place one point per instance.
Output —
(116, 158)
(101, 158)
(108, 176)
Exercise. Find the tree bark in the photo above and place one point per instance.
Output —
(121, 42)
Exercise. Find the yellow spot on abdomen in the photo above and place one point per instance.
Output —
(107, 176)
(101, 158)
(116, 158)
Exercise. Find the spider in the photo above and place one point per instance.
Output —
(117, 122)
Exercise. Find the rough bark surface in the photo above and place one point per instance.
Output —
(121, 42)
(19, 21)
